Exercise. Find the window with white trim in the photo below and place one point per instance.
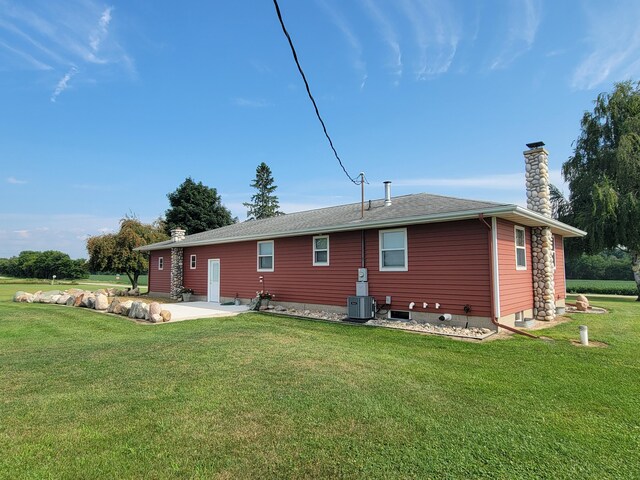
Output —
(393, 250)
(521, 248)
(192, 262)
(321, 250)
(160, 263)
(265, 256)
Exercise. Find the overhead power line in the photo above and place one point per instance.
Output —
(306, 84)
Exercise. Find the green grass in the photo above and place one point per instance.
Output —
(32, 284)
(256, 396)
(612, 287)
(143, 280)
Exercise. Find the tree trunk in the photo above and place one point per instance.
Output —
(133, 278)
(635, 266)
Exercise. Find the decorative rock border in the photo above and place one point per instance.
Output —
(98, 300)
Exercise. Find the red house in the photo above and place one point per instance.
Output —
(419, 256)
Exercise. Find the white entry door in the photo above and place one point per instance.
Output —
(214, 280)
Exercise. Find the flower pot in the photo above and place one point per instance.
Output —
(186, 297)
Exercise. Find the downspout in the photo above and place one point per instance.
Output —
(494, 281)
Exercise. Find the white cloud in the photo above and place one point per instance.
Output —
(389, 35)
(250, 103)
(55, 36)
(436, 28)
(15, 181)
(614, 38)
(63, 83)
(354, 42)
(524, 20)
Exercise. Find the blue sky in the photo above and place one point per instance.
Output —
(107, 107)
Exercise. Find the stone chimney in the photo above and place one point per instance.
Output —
(177, 234)
(177, 260)
(537, 182)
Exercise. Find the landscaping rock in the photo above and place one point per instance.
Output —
(100, 291)
(134, 292)
(125, 307)
(88, 300)
(102, 302)
(111, 292)
(143, 312)
(133, 311)
(583, 299)
(166, 315)
(54, 298)
(582, 306)
(20, 296)
(71, 301)
(155, 318)
(112, 306)
(78, 300)
(121, 293)
(155, 308)
(63, 299)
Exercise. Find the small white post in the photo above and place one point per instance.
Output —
(584, 335)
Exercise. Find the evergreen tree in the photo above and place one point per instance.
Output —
(196, 208)
(263, 203)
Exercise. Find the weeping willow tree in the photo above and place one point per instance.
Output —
(604, 174)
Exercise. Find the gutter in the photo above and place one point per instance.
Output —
(495, 279)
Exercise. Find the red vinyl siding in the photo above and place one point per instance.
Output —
(516, 286)
(448, 264)
(559, 276)
(160, 280)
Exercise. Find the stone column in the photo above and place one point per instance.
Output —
(538, 200)
(177, 263)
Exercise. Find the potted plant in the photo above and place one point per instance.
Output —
(186, 294)
(264, 296)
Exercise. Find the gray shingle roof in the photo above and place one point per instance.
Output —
(420, 206)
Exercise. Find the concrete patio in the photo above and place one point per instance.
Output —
(192, 310)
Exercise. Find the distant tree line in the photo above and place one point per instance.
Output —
(606, 265)
(31, 264)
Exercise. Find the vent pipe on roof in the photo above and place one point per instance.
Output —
(387, 193)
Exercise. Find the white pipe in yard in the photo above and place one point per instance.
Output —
(584, 335)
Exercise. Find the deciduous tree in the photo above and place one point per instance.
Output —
(196, 208)
(264, 203)
(115, 251)
(604, 174)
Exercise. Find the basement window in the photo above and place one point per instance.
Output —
(192, 262)
(160, 263)
(399, 315)
(393, 250)
(265, 256)
(321, 251)
(521, 249)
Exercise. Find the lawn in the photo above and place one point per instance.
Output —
(612, 287)
(258, 396)
(122, 280)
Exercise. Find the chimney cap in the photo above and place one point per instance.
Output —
(535, 144)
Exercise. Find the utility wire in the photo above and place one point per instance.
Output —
(306, 84)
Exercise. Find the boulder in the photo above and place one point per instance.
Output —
(133, 311)
(63, 299)
(134, 292)
(155, 308)
(17, 295)
(125, 307)
(71, 301)
(74, 291)
(101, 291)
(102, 302)
(111, 292)
(143, 311)
(79, 298)
(88, 300)
(166, 315)
(55, 298)
(583, 299)
(112, 306)
(155, 318)
(582, 306)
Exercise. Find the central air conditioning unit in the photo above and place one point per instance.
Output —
(361, 308)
